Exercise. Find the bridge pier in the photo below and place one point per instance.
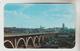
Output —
(15, 43)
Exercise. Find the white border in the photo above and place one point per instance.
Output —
(76, 3)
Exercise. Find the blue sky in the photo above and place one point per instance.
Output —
(36, 15)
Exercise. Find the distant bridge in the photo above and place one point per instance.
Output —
(25, 40)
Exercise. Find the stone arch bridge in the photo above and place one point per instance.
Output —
(32, 40)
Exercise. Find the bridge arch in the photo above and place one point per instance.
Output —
(30, 42)
(42, 37)
(36, 41)
(41, 40)
(22, 43)
(8, 44)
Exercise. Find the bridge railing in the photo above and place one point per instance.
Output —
(25, 34)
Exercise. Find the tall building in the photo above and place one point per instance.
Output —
(63, 25)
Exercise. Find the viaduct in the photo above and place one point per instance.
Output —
(31, 40)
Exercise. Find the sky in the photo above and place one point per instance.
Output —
(36, 15)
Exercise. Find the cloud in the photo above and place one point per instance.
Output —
(17, 7)
(60, 9)
(13, 18)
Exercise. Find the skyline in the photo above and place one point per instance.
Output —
(36, 15)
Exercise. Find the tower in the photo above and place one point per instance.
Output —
(63, 25)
